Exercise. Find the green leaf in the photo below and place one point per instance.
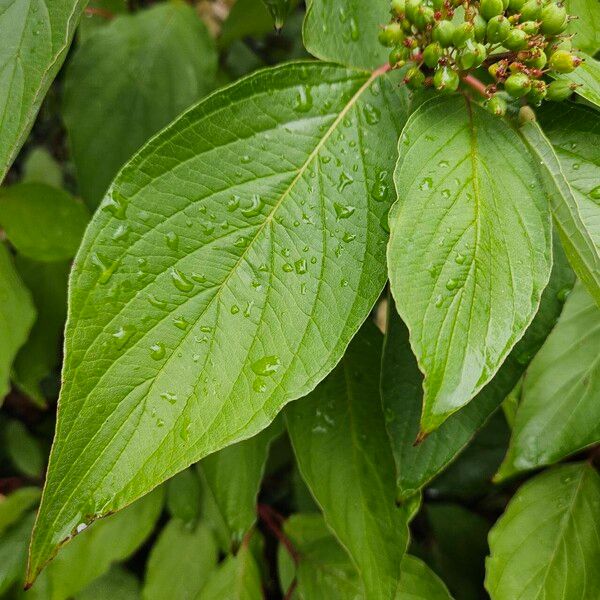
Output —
(116, 584)
(40, 354)
(168, 62)
(237, 578)
(547, 543)
(23, 449)
(181, 562)
(345, 31)
(559, 413)
(248, 301)
(40, 166)
(13, 553)
(469, 252)
(587, 77)
(324, 569)
(17, 315)
(279, 10)
(232, 477)
(576, 234)
(42, 222)
(587, 26)
(246, 18)
(401, 387)
(16, 504)
(183, 496)
(419, 582)
(459, 548)
(35, 39)
(90, 555)
(339, 438)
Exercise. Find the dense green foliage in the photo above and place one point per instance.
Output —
(299, 300)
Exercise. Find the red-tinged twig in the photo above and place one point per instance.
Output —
(477, 85)
(92, 11)
(273, 521)
(291, 589)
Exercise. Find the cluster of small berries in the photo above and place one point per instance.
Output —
(516, 43)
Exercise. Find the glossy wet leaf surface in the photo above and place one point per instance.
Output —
(223, 276)
(559, 413)
(473, 249)
(547, 543)
(338, 435)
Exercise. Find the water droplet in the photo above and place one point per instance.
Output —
(180, 281)
(354, 31)
(301, 266)
(121, 233)
(426, 184)
(372, 114)
(344, 283)
(199, 277)
(595, 193)
(452, 284)
(154, 301)
(233, 203)
(248, 308)
(157, 351)
(115, 204)
(172, 240)
(379, 191)
(205, 328)
(254, 208)
(169, 397)
(344, 181)
(259, 385)
(576, 166)
(348, 237)
(160, 423)
(446, 194)
(460, 259)
(181, 323)
(563, 293)
(266, 366)
(304, 101)
(107, 268)
(123, 335)
(241, 242)
(209, 229)
(343, 212)
(245, 159)
(235, 309)
(288, 268)
(439, 300)
(444, 164)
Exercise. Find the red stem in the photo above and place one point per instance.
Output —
(291, 589)
(477, 85)
(270, 518)
(99, 12)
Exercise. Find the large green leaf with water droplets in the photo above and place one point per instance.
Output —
(470, 249)
(167, 61)
(345, 31)
(339, 438)
(402, 392)
(547, 543)
(559, 413)
(35, 37)
(17, 315)
(230, 264)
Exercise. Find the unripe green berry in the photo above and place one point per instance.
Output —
(491, 8)
(432, 54)
(537, 59)
(517, 85)
(462, 34)
(531, 10)
(497, 105)
(398, 7)
(480, 25)
(391, 35)
(411, 9)
(554, 19)
(537, 92)
(425, 16)
(414, 78)
(529, 27)
(559, 90)
(472, 55)
(559, 45)
(516, 5)
(498, 28)
(562, 61)
(406, 26)
(398, 55)
(443, 33)
(445, 79)
(515, 40)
